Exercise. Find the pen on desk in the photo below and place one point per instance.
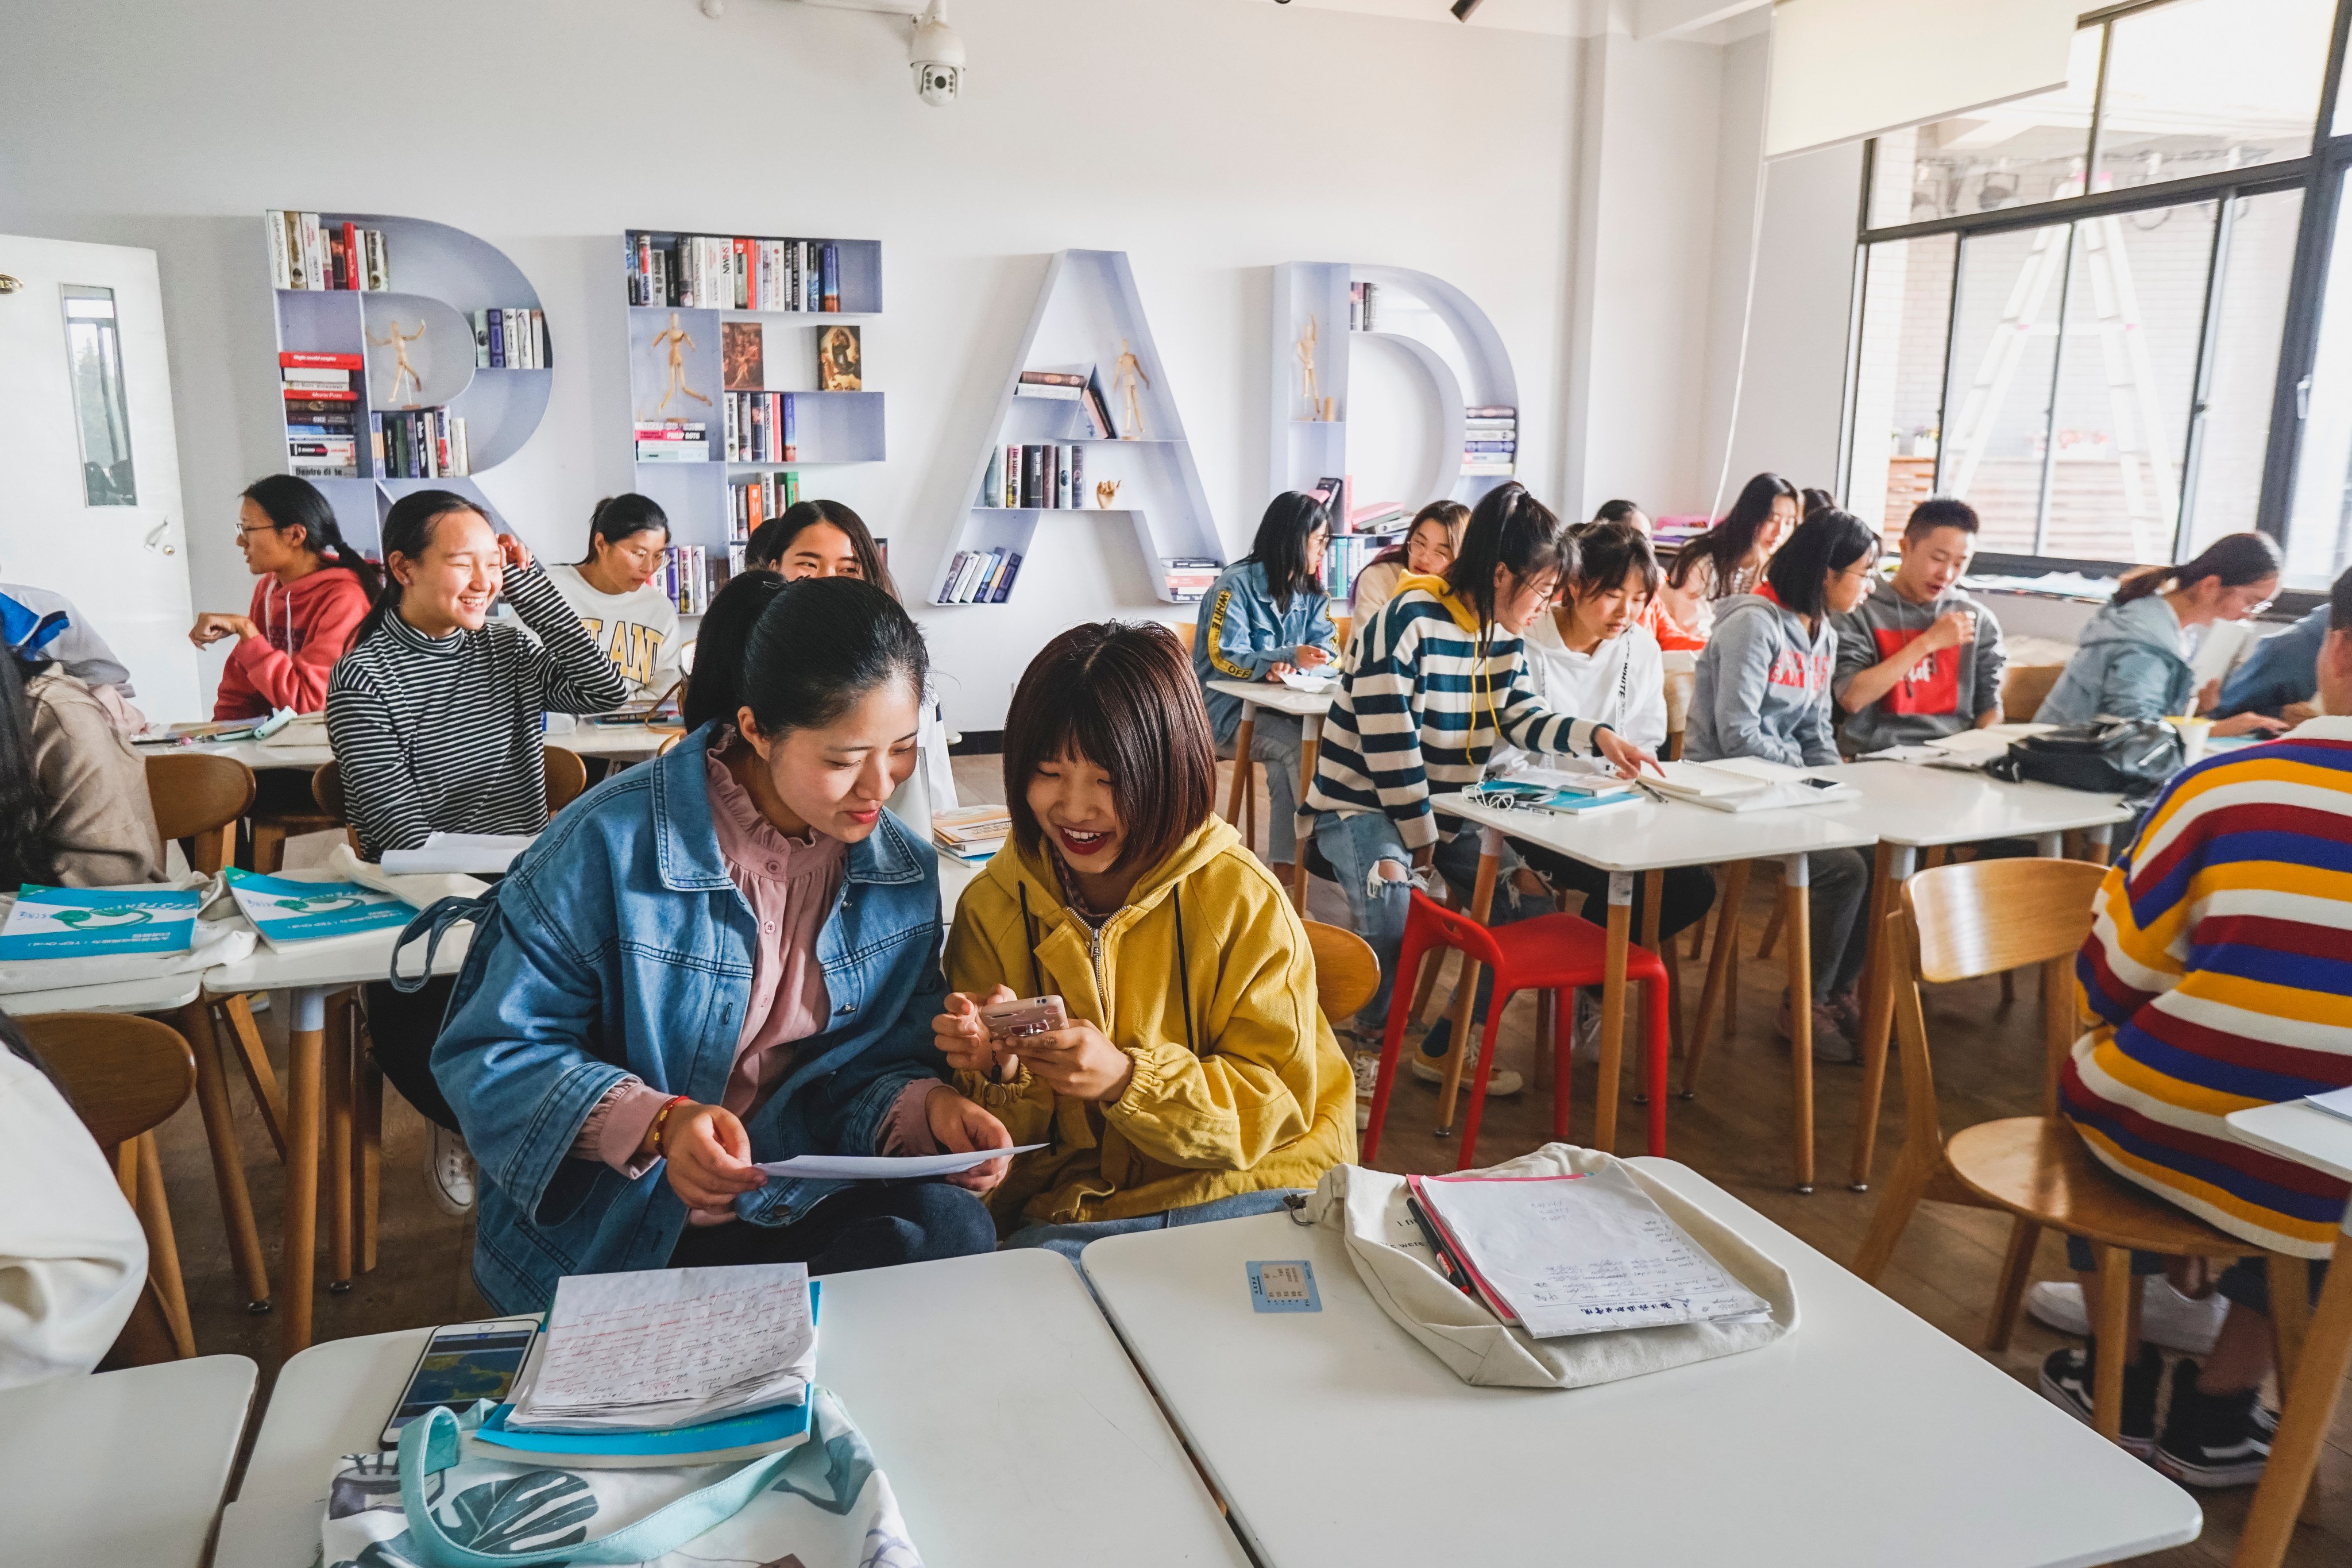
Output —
(1452, 1271)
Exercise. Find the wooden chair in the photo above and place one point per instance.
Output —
(197, 800)
(1347, 971)
(1678, 700)
(124, 1077)
(566, 774)
(1964, 922)
(2025, 687)
(1188, 630)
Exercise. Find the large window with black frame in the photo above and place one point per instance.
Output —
(2117, 317)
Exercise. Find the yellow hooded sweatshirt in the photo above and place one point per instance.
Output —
(1261, 1098)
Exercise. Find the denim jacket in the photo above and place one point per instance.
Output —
(619, 944)
(1242, 634)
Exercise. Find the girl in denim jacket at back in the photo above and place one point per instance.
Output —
(1266, 616)
(726, 956)
(1763, 691)
(1197, 1079)
(1437, 684)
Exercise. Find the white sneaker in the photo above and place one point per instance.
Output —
(1367, 1067)
(2168, 1318)
(449, 1172)
(1585, 1046)
(1503, 1084)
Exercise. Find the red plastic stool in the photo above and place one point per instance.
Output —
(1549, 952)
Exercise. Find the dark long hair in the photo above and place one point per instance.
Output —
(408, 531)
(1728, 541)
(1122, 695)
(1615, 511)
(27, 853)
(821, 643)
(621, 517)
(1450, 515)
(715, 690)
(289, 502)
(1281, 544)
(2237, 559)
(1829, 540)
(1605, 552)
(1510, 528)
(772, 540)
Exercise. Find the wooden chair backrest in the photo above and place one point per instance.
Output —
(1187, 630)
(1679, 686)
(2024, 688)
(1345, 626)
(1987, 916)
(123, 1075)
(567, 778)
(194, 792)
(327, 789)
(1347, 971)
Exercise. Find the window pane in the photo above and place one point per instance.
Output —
(1898, 378)
(94, 358)
(1996, 400)
(2202, 85)
(2028, 151)
(2319, 523)
(2227, 484)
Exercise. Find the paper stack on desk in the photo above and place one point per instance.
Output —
(475, 854)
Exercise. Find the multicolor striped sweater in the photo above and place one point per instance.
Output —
(1419, 711)
(2219, 977)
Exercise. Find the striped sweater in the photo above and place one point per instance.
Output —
(1420, 707)
(2219, 977)
(443, 734)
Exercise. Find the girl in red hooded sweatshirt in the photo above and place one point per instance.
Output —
(314, 591)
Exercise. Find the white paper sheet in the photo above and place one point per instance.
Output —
(475, 854)
(2336, 1102)
(885, 1167)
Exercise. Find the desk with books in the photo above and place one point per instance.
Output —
(1308, 708)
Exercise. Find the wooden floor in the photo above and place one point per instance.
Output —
(1736, 1132)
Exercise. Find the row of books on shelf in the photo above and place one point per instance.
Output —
(1364, 301)
(1070, 386)
(760, 426)
(673, 441)
(1047, 475)
(1190, 577)
(1337, 494)
(305, 253)
(1490, 439)
(980, 578)
(419, 444)
(722, 272)
(511, 338)
(685, 577)
(751, 502)
(1346, 555)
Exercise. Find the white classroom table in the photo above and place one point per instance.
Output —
(2308, 1136)
(587, 740)
(1013, 1427)
(1308, 708)
(156, 993)
(120, 1467)
(1651, 838)
(1909, 808)
(1865, 1438)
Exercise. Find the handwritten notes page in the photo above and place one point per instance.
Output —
(1580, 1255)
(670, 1347)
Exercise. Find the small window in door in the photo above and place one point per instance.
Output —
(94, 355)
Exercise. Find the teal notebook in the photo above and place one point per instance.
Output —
(284, 911)
(89, 922)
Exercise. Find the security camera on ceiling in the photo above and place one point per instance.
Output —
(934, 51)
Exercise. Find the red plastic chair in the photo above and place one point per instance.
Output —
(1549, 952)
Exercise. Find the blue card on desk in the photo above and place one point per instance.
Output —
(81, 922)
(1285, 1287)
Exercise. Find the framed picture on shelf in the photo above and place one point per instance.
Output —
(840, 360)
(743, 356)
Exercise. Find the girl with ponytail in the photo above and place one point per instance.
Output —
(313, 592)
(612, 588)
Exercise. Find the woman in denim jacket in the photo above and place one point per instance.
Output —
(728, 956)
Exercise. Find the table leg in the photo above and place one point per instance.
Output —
(2310, 1405)
(367, 1150)
(1796, 898)
(1612, 1013)
(1891, 870)
(305, 1066)
(1481, 904)
(1243, 738)
(1311, 740)
(338, 1095)
(1718, 968)
(2102, 838)
(229, 1157)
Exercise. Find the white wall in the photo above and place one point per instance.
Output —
(1208, 138)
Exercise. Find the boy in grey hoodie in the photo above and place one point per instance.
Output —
(1919, 660)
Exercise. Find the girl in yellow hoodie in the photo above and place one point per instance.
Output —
(1197, 1079)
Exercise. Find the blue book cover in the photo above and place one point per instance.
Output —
(85, 922)
(284, 911)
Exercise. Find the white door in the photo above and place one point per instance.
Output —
(89, 470)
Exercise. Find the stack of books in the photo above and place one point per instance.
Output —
(1190, 577)
(762, 426)
(288, 913)
(305, 253)
(510, 339)
(419, 444)
(1490, 439)
(1051, 476)
(752, 502)
(1071, 386)
(673, 441)
(972, 832)
(685, 577)
(720, 272)
(980, 578)
(322, 414)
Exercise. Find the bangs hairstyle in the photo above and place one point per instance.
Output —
(408, 530)
(1510, 528)
(1829, 540)
(1606, 552)
(1281, 544)
(1120, 695)
(1450, 515)
(772, 540)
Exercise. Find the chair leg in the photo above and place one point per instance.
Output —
(367, 1149)
(1543, 1069)
(1772, 927)
(2114, 1329)
(2304, 1416)
(1719, 987)
(1432, 967)
(1661, 1043)
(338, 1055)
(1484, 1070)
(227, 1154)
(2290, 1311)
(269, 848)
(1392, 1039)
(2008, 986)
(1243, 738)
(1899, 1199)
(2016, 1268)
(163, 1246)
(1563, 1055)
(257, 1070)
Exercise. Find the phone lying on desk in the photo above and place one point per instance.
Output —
(463, 1362)
(1029, 1016)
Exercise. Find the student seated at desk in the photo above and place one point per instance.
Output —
(2217, 979)
(2281, 676)
(715, 690)
(613, 592)
(1197, 1080)
(1763, 691)
(435, 716)
(1264, 617)
(1730, 557)
(74, 809)
(1438, 682)
(2132, 661)
(314, 590)
(1654, 619)
(72, 1257)
(1918, 659)
(1424, 552)
(727, 955)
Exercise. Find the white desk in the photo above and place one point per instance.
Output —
(587, 740)
(1651, 838)
(1013, 1427)
(1865, 1438)
(121, 1467)
(1308, 708)
(158, 994)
